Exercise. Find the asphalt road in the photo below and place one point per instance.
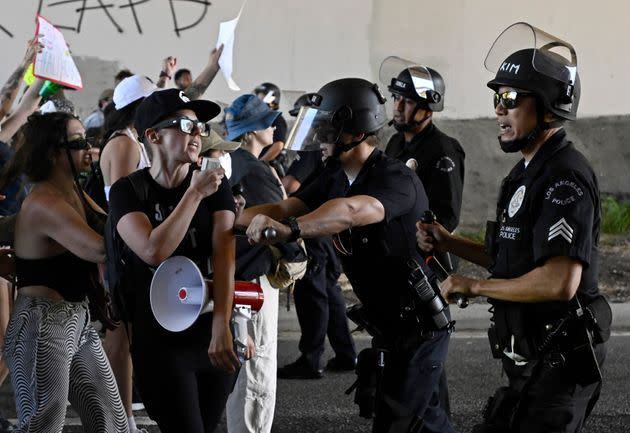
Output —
(320, 406)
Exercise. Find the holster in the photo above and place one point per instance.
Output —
(599, 317)
(370, 365)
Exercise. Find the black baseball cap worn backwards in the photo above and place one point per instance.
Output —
(164, 102)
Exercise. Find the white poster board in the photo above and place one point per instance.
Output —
(226, 37)
(55, 63)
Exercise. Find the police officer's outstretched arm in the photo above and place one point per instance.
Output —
(333, 216)
(277, 211)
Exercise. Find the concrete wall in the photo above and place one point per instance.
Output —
(301, 44)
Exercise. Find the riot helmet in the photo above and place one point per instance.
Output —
(527, 58)
(270, 94)
(304, 100)
(350, 105)
(411, 80)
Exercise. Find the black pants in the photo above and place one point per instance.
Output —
(179, 387)
(410, 388)
(543, 399)
(320, 306)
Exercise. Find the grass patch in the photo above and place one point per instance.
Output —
(478, 236)
(615, 216)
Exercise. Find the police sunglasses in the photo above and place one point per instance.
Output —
(509, 100)
(185, 125)
(79, 144)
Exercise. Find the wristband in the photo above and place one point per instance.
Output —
(295, 228)
(164, 74)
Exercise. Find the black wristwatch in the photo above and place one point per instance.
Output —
(295, 228)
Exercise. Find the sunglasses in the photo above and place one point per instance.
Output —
(185, 125)
(79, 144)
(509, 100)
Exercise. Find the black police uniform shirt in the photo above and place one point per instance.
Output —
(196, 245)
(305, 165)
(548, 209)
(375, 256)
(438, 160)
(305, 169)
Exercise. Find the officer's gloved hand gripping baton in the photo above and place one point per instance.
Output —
(436, 266)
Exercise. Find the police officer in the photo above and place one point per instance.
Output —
(437, 159)
(370, 203)
(542, 249)
(319, 303)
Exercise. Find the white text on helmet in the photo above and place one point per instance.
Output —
(510, 68)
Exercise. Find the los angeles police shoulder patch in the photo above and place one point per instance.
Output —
(445, 164)
(516, 201)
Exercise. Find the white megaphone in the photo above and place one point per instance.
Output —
(179, 294)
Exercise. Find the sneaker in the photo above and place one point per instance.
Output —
(298, 370)
(136, 404)
(339, 364)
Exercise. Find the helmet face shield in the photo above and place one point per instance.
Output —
(312, 128)
(552, 56)
(406, 78)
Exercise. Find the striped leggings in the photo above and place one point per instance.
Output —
(55, 355)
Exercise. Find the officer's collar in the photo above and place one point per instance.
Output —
(553, 144)
(369, 162)
(420, 136)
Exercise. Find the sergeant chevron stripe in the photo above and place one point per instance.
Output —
(561, 228)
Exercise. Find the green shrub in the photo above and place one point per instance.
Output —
(615, 216)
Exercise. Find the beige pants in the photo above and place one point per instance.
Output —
(251, 405)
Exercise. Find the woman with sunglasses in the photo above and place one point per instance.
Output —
(172, 208)
(53, 352)
(122, 154)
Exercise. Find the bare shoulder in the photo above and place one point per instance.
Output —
(39, 204)
(120, 145)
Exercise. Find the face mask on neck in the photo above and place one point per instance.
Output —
(226, 164)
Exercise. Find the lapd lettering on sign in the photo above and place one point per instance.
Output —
(4, 30)
(111, 10)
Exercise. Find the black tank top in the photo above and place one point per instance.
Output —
(66, 273)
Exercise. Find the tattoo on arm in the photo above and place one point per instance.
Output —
(9, 90)
(195, 90)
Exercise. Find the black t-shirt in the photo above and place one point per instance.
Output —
(438, 160)
(196, 245)
(550, 208)
(280, 134)
(260, 185)
(305, 164)
(375, 256)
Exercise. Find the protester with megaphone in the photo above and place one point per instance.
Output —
(173, 208)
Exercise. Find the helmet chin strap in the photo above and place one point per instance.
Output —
(413, 123)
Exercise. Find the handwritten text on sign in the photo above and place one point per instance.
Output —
(112, 11)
